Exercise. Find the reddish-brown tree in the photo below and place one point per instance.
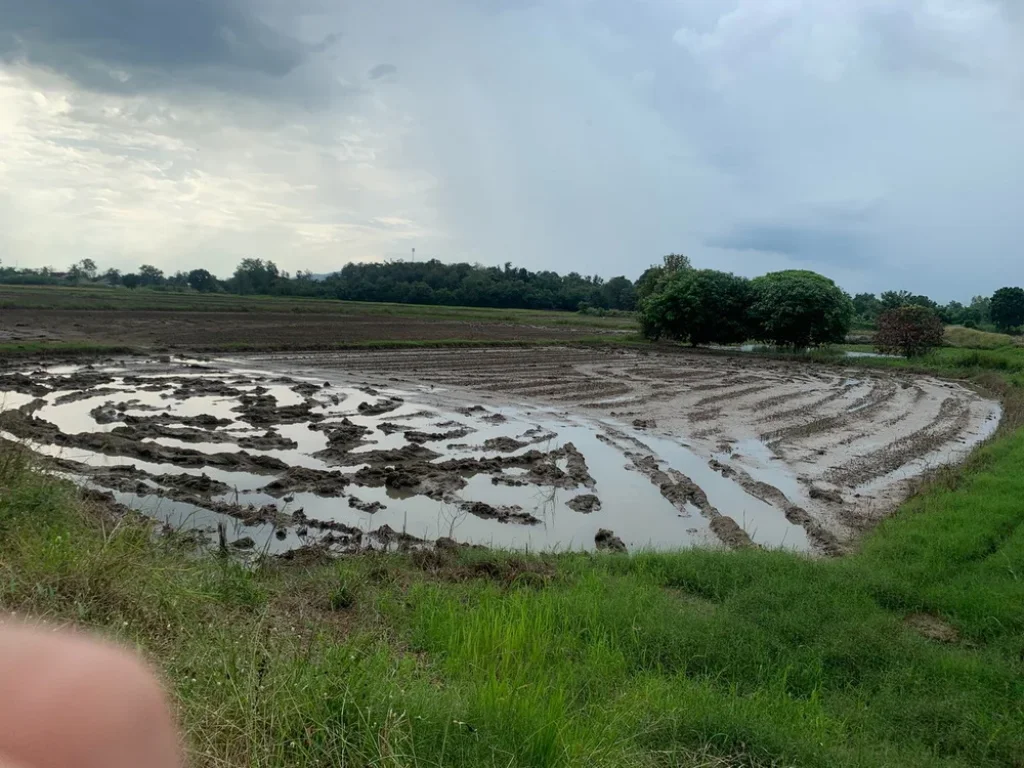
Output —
(909, 331)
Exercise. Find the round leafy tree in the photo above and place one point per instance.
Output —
(799, 308)
(909, 331)
(1007, 308)
(699, 306)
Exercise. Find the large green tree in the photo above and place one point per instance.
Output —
(1007, 308)
(150, 275)
(655, 277)
(699, 306)
(799, 308)
(867, 305)
(202, 280)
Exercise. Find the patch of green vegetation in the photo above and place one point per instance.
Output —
(909, 652)
(972, 338)
(142, 299)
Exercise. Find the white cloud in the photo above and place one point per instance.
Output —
(875, 140)
(128, 180)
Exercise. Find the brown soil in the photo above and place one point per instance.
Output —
(260, 330)
(932, 627)
(607, 541)
(834, 430)
(501, 514)
(585, 503)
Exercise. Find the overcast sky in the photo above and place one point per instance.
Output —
(880, 142)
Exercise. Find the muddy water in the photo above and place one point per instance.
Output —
(382, 465)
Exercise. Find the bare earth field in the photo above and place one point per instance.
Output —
(833, 450)
(547, 448)
(206, 330)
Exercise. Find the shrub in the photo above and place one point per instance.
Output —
(799, 308)
(699, 306)
(910, 331)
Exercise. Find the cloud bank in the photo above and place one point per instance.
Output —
(875, 141)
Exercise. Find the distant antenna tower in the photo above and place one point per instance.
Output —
(414, 254)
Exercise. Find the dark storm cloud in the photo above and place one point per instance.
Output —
(154, 42)
(383, 70)
(803, 243)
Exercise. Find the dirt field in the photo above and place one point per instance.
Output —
(834, 450)
(543, 447)
(207, 330)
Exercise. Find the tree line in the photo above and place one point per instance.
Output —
(792, 308)
(800, 309)
(672, 299)
(427, 282)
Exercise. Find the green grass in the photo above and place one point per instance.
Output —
(477, 658)
(81, 298)
(971, 338)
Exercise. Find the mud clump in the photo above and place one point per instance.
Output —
(88, 394)
(730, 532)
(269, 441)
(203, 485)
(416, 436)
(184, 434)
(407, 454)
(388, 535)
(390, 427)
(305, 480)
(607, 541)
(204, 388)
(830, 495)
(307, 388)
(112, 444)
(381, 406)
(342, 437)
(424, 479)
(644, 423)
(512, 514)
(205, 421)
(370, 507)
(586, 503)
(23, 384)
(504, 444)
(111, 412)
(262, 410)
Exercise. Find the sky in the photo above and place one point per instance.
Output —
(880, 142)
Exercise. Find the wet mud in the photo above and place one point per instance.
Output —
(382, 450)
(840, 447)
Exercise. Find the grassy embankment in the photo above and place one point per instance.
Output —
(909, 652)
(54, 297)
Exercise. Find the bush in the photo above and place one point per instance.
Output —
(799, 308)
(910, 331)
(699, 306)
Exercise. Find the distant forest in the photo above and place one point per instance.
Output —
(427, 282)
(462, 284)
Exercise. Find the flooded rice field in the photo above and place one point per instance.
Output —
(542, 449)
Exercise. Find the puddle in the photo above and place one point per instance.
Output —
(286, 460)
(764, 348)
